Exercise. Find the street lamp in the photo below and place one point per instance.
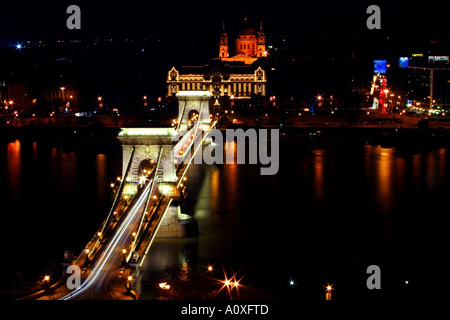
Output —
(328, 292)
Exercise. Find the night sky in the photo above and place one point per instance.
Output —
(174, 33)
(197, 20)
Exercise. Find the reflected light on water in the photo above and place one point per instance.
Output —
(14, 161)
(319, 162)
(100, 168)
(385, 192)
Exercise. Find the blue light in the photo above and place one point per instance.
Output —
(18, 46)
(403, 62)
(380, 66)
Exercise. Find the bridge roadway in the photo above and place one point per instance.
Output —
(103, 280)
(105, 277)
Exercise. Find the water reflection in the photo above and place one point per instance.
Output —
(13, 165)
(237, 213)
(214, 189)
(66, 164)
(100, 169)
(318, 181)
(167, 253)
(384, 186)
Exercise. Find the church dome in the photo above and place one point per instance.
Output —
(246, 29)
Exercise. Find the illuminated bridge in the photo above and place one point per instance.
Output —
(155, 161)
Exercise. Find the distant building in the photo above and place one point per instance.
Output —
(249, 44)
(17, 94)
(61, 98)
(240, 76)
(429, 82)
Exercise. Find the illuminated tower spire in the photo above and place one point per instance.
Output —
(261, 40)
(223, 46)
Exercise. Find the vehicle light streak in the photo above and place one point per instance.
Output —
(111, 249)
(193, 155)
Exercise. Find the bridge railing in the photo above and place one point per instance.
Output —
(153, 190)
(113, 207)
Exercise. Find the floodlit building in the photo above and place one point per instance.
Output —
(240, 76)
(429, 83)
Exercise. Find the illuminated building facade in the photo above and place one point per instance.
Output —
(429, 83)
(237, 77)
(249, 44)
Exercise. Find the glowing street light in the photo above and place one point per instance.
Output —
(47, 278)
(164, 285)
(328, 292)
(100, 104)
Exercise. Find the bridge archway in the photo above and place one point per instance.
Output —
(140, 145)
(193, 101)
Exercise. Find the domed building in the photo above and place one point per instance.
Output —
(227, 78)
(249, 44)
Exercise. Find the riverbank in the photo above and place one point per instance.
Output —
(320, 134)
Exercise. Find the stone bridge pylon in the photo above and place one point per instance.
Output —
(157, 146)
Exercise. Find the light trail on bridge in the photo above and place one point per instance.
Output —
(113, 251)
(180, 180)
(130, 233)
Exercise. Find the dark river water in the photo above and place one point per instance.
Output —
(328, 214)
